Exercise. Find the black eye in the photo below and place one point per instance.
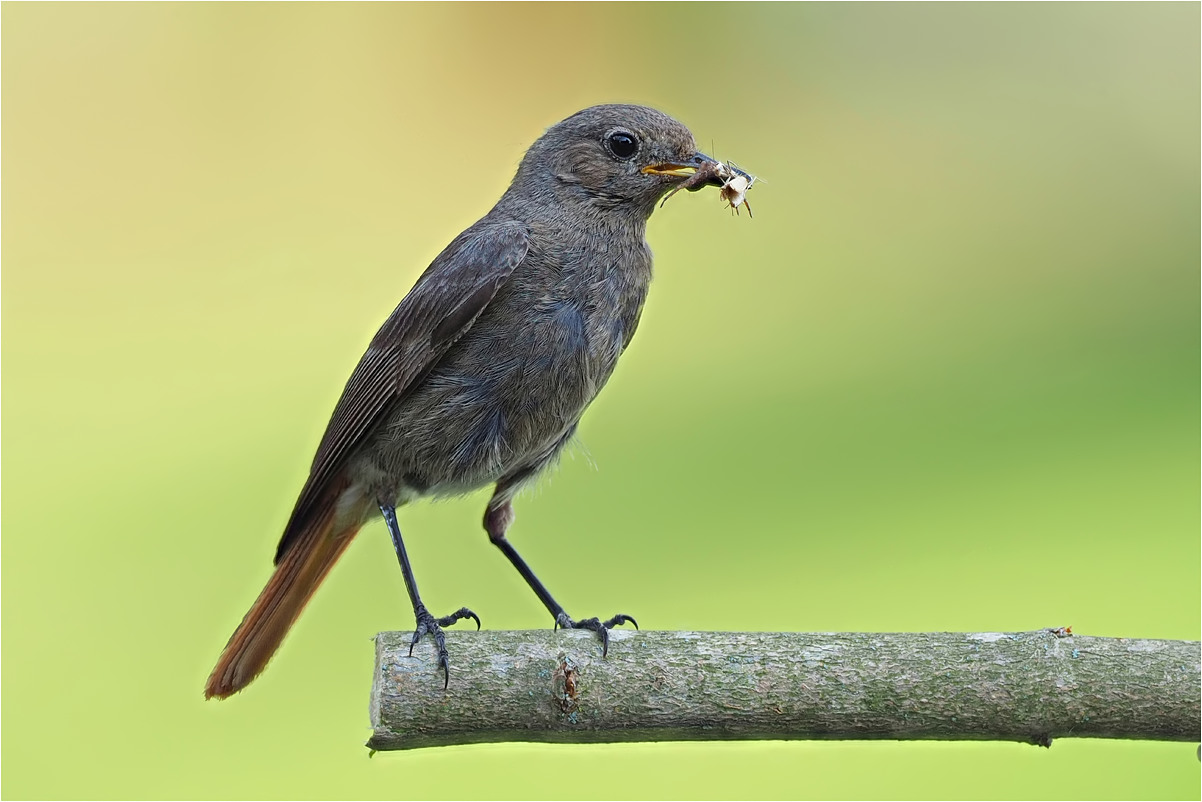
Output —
(622, 144)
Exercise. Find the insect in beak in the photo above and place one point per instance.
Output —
(732, 182)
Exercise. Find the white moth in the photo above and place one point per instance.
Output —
(734, 187)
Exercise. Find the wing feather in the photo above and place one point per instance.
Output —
(443, 304)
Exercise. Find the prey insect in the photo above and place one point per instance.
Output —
(732, 184)
(734, 190)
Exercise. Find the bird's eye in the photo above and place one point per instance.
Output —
(622, 144)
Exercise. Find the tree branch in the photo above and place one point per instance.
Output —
(686, 686)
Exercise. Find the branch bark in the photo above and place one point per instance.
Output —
(683, 686)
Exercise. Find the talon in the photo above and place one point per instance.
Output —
(417, 635)
(459, 615)
(428, 624)
(596, 625)
(621, 618)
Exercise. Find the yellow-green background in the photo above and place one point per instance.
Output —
(946, 379)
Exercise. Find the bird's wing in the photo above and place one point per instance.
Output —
(447, 299)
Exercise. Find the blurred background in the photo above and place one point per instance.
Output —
(946, 379)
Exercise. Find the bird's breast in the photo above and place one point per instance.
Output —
(508, 391)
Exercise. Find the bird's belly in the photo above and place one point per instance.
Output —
(499, 402)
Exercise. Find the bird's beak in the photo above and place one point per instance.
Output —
(670, 168)
(681, 169)
(706, 171)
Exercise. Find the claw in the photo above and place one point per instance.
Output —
(444, 662)
(621, 618)
(595, 625)
(429, 625)
(417, 635)
(459, 615)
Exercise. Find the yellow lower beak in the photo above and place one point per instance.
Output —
(678, 170)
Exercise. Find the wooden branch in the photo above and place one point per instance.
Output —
(685, 686)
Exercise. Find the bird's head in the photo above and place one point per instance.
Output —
(614, 156)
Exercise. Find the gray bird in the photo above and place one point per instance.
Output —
(481, 373)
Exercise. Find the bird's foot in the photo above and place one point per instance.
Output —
(602, 628)
(429, 625)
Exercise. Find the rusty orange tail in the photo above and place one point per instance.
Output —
(316, 545)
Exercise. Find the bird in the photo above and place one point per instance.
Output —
(480, 375)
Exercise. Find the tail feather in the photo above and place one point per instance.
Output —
(298, 573)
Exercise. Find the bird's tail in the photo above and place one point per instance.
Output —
(316, 544)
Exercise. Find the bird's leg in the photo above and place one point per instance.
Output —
(497, 519)
(426, 623)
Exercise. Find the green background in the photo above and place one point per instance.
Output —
(946, 379)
